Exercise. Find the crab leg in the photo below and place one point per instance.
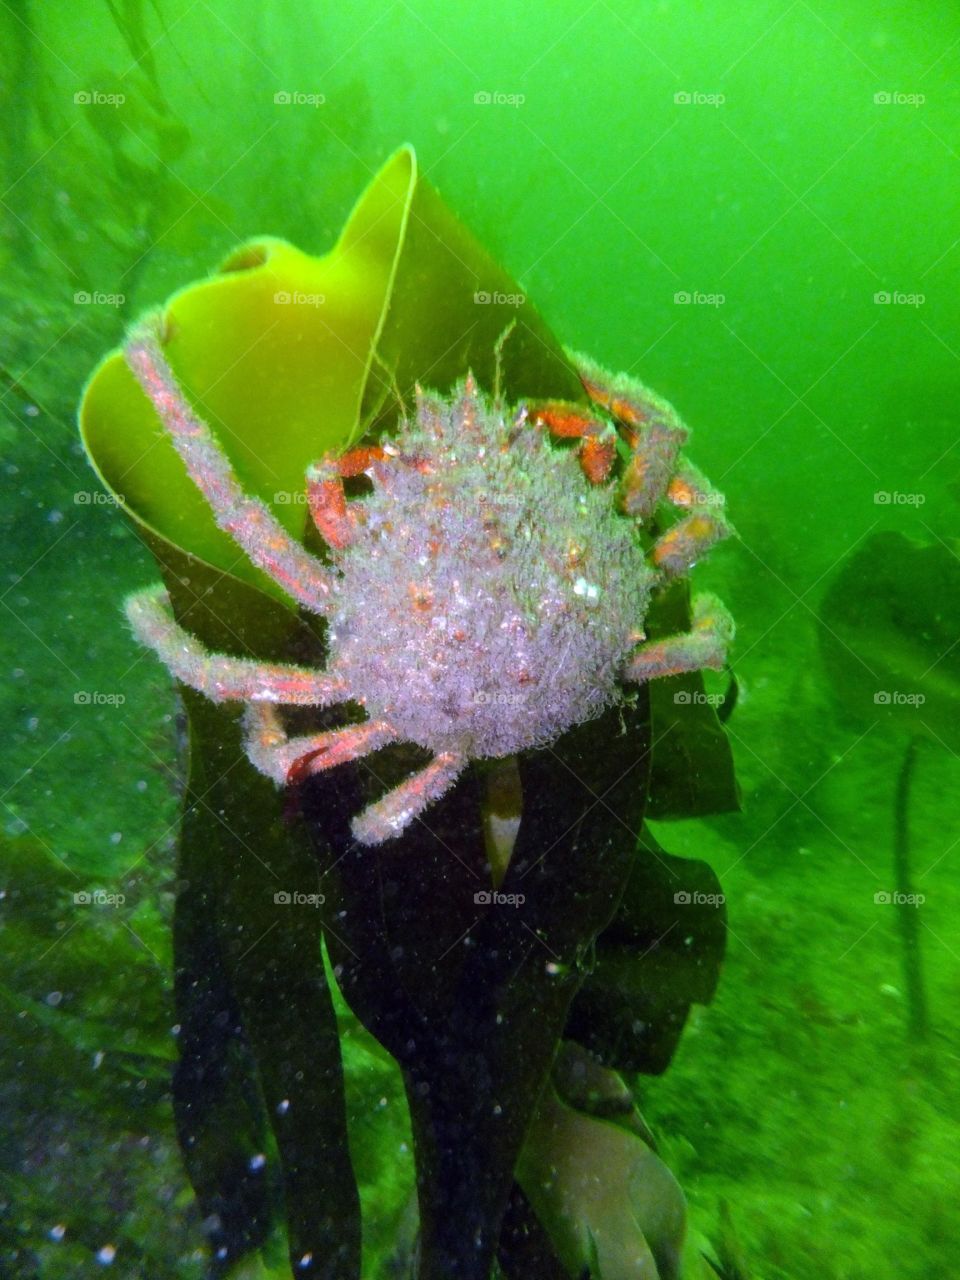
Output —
(221, 677)
(290, 760)
(625, 398)
(704, 645)
(681, 546)
(690, 488)
(328, 502)
(598, 442)
(648, 473)
(649, 424)
(248, 520)
(398, 808)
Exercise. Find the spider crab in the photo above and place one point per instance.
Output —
(487, 595)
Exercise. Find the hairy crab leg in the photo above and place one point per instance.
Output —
(690, 488)
(567, 421)
(328, 502)
(248, 520)
(704, 645)
(290, 760)
(682, 546)
(219, 676)
(625, 398)
(648, 473)
(651, 427)
(328, 505)
(398, 808)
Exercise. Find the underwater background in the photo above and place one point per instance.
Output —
(754, 209)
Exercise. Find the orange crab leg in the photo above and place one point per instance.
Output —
(249, 521)
(220, 676)
(359, 460)
(690, 538)
(682, 491)
(328, 502)
(328, 505)
(398, 808)
(704, 645)
(626, 409)
(290, 760)
(649, 425)
(568, 421)
(683, 544)
(597, 456)
(690, 489)
(647, 475)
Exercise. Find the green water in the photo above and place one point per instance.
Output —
(809, 165)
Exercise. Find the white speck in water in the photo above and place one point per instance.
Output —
(305, 1260)
(283, 1107)
(55, 516)
(258, 1161)
(53, 998)
(116, 837)
(32, 411)
(97, 1059)
(57, 1232)
(141, 785)
(552, 968)
(106, 1254)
